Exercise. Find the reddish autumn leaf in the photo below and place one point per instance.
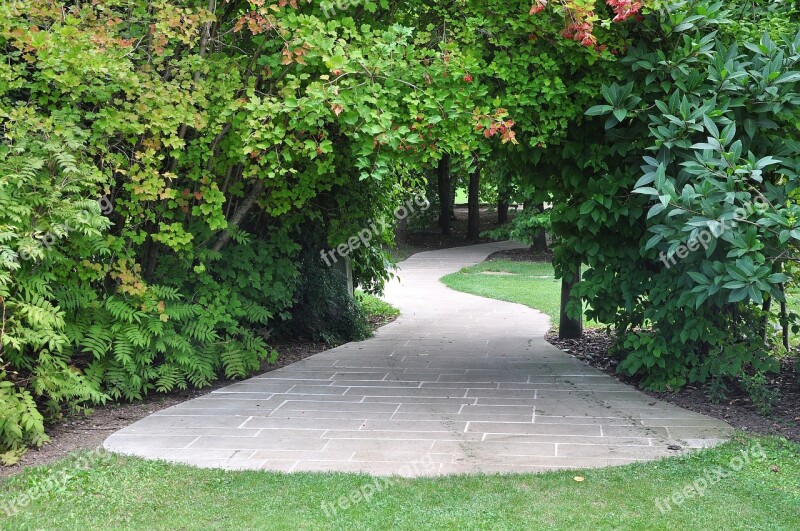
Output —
(538, 6)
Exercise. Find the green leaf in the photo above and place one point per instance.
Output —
(599, 110)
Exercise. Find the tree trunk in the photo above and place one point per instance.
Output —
(474, 219)
(785, 320)
(240, 214)
(765, 307)
(540, 240)
(502, 209)
(444, 194)
(401, 231)
(540, 243)
(569, 328)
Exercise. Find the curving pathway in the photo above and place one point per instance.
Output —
(457, 384)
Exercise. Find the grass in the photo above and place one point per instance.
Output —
(116, 492)
(120, 492)
(378, 311)
(530, 283)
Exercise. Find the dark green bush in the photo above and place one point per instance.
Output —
(323, 308)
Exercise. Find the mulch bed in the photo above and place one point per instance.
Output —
(737, 410)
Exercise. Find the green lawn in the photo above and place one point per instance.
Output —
(134, 494)
(530, 283)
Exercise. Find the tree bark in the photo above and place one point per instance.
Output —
(401, 231)
(785, 320)
(240, 214)
(540, 240)
(444, 194)
(568, 327)
(502, 209)
(474, 218)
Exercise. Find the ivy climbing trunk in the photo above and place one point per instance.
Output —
(443, 172)
(474, 219)
(568, 327)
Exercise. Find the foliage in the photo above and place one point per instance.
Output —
(324, 310)
(221, 137)
(525, 226)
(377, 310)
(762, 396)
(694, 241)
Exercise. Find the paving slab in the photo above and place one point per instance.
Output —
(458, 384)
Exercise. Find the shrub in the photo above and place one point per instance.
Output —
(323, 309)
(688, 214)
(525, 227)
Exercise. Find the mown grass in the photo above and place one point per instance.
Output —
(129, 493)
(530, 283)
(115, 492)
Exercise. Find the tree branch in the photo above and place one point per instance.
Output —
(239, 215)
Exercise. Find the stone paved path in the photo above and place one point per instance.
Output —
(457, 384)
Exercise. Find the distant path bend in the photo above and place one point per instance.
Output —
(457, 384)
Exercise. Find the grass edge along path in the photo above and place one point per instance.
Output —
(532, 284)
(750, 482)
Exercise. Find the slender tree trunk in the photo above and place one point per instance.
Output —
(502, 209)
(452, 203)
(152, 260)
(784, 320)
(765, 307)
(568, 327)
(444, 194)
(401, 231)
(149, 254)
(540, 240)
(474, 219)
(540, 243)
(240, 214)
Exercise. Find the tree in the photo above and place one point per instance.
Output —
(684, 211)
(229, 138)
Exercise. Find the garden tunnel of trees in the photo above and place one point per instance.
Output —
(171, 170)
